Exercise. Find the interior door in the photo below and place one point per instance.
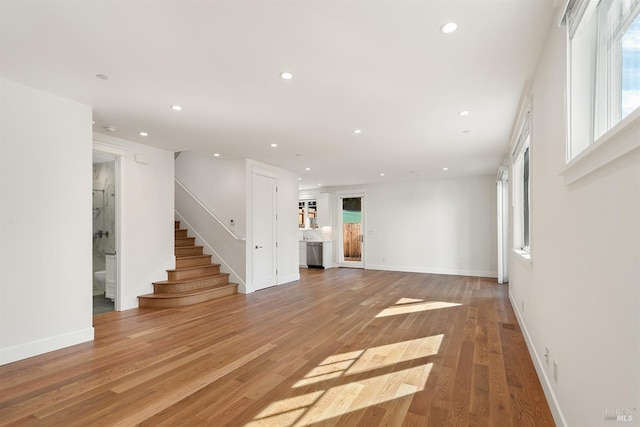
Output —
(351, 229)
(265, 232)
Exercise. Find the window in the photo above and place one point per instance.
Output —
(521, 173)
(604, 68)
(307, 211)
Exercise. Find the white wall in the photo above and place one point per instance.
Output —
(444, 226)
(218, 183)
(580, 292)
(146, 237)
(45, 222)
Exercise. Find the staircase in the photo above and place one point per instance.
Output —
(195, 279)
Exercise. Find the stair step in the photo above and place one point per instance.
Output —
(187, 251)
(180, 299)
(190, 272)
(170, 286)
(192, 261)
(184, 241)
(180, 232)
(176, 224)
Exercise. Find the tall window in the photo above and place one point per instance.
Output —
(521, 185)
(604, 67)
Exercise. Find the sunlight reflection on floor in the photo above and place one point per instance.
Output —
(347, 386)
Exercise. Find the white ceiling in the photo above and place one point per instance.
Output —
(380, 66)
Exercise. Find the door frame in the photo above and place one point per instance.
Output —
(502, 190)
(340, 252)
(251, 245)
(118, 153)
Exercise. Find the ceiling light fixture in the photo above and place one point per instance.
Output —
(286, 75)
(102, 76)
(445, 169)
(319, 184)
(299, 179)
(381, 174)
(274, 145)
(466, 131)
(176, 108)
(216, 154)
(464, 113)
(357, 131)
(449, 28)
(144, 134)
(307, 169)
(110, 128)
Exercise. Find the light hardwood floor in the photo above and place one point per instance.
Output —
(340, 347)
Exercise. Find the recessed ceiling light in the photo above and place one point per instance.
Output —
(216, 154)
(274, 145)
(449, 27)
(102, 77)
(286, 75)
(307, 169)
(176, 108)
(445, 169)
(93, 122)
(319, 184)
(144, 134)
(110, 128)
(357, 131)
(381, 174)
(466, 131)
(464, 113)
(299, 179)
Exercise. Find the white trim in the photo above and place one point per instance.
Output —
(552, 400)
(45, 345)
(429, 270)
(618, 141)
(523, 256)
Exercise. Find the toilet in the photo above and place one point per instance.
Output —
(101, 277)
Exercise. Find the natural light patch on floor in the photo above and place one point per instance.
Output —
(409, 305)
(353, 381)
(371, 359)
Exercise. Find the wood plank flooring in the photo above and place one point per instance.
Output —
(340, 347)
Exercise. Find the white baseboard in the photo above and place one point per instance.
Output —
(448, 271)
(558, 417)
(45, 345)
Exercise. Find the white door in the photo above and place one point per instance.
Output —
(265, 232)
(351, 231)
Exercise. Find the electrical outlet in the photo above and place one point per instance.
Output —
(555, 371)
(546, 354)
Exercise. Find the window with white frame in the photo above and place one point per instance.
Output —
(604, 67)
(521, 185)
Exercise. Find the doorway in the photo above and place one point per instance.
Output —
(103, 232)
(265, 232)
(351, 230)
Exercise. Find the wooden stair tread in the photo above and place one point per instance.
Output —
(192, 256)
(194, 268)
(189, 293)
(190, 279)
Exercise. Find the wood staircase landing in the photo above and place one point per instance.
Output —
(195, 279)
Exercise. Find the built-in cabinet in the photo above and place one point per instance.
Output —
(110, 276)
(327, 254)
